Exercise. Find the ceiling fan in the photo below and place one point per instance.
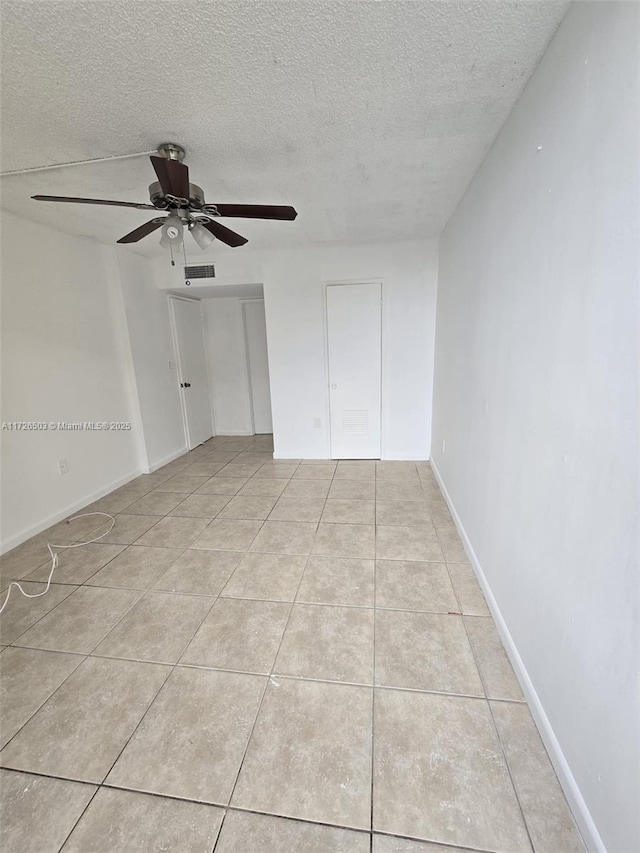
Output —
(184, 205)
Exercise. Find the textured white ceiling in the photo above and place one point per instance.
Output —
(369, 117)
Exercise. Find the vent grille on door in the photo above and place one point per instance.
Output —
(200, 271)
(355, 422)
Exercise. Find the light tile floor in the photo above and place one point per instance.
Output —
(261, 656)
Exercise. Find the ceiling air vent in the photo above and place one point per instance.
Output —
(199, 271)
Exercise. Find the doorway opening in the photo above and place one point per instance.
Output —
(255, 336)
(236, 358)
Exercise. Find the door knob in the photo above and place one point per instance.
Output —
(187, 385)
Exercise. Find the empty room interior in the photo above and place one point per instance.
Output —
(319, 474)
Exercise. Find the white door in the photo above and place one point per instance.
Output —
(354, 342)
(255, 327)
(191, 359)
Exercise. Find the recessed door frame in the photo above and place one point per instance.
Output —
(245, 332)
(383, 349)
(247, 369)
(172, 298)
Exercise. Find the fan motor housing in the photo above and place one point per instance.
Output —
(157, 197)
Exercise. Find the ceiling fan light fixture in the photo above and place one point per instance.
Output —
(201, 235)
(171, 234)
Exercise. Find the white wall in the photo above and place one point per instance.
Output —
(536, 398)
(63, 360)
(152, 351)
(227, 366)
(296, 332)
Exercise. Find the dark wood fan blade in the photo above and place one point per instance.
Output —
(253, 211)
(160, 166)
(223, 233)
(173, 176)
(142, 231)
(93, 201)
(179, 176)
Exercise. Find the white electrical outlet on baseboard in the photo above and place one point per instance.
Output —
(63, 466)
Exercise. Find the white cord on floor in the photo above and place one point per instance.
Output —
(54, 558)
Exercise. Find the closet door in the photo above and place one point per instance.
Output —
(188, 334)
(354, 330)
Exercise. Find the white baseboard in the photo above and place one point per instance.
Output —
(285, 456)
(19, 538)
(165, 461)
(581, 813)
(403, 457)
(392, 458)
(229, 432)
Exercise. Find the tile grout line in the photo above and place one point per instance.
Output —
(80, 816)
(295, 601)
(44, 702)
(197, 536)
(40, 618)
(161, 491)
(271, 675)
(171, 513)
(94, 647)
(171, 669)
(182, 550)
(84, 657)
(166, 591)
(373, 675)
(153, 699)
(493, 722)
(126, 546)
(289, 677)
(488, 701)
(244, 810)
(220, 829)
(503, 751)
(123, 488)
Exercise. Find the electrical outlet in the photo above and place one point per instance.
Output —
(170, 365)
(317, 423)
(444, 446)
(63, 466)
